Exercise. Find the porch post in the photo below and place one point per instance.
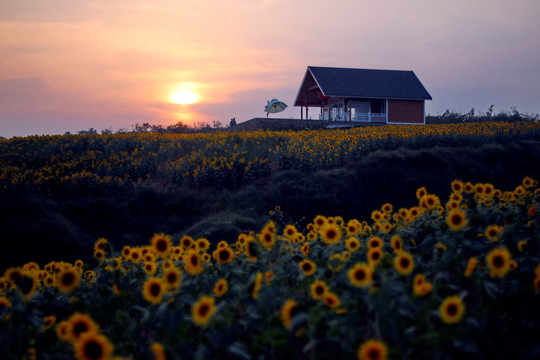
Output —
(329, 107)
(301, 112)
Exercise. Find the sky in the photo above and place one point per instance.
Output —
(70, 65)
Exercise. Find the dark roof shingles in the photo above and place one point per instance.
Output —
(389, 84)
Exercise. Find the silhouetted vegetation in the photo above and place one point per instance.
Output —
(452, 117)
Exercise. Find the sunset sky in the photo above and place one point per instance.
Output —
(69, 65)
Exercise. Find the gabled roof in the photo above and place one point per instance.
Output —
(359, 83)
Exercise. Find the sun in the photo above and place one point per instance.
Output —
(184, 97)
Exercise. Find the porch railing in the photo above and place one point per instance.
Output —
(361, 117)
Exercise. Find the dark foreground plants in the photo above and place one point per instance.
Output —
(441, 279)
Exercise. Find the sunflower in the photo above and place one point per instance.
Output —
(222, 244)
(256, 285)
(186, 242)
(158, 351)
(360, 275)
(93, 346)
(377, 216)
(375, 242)
(468, 187)
(305, 249)
(331, 300)
(193, 263)
(531, 211)
(330, 233)
(99, 254)
(319, 221)
(308, 267)
(289, 232)
(287, 312)
(452, 310)
(13, 275)
(49, 322)
(203, 309)
(396, 243)
(498, 262)
(251, 249)
(430, 202)
(28, 284)
(372, 350)
(153, 290)
(172, 278)
(135, 255)
(101, 244)
(221, 287)
(223, 255)
(267, 239)
(353, 244)
(493, 232)
(522, 245)
(68, 279)
(78, 324)
(471, 264)
(421, 192)
(161, 245)
(456, 219)
(318, 289)
(150, 267)
(404, 263)
(457, 186)
(403, 213)
(62, 330)
(528, 182)
(354, 227)
(374, 256)
(387, 208)
(423, 289)
(202, 244)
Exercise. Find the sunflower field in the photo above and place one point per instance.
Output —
(72, 165)
(444, 278)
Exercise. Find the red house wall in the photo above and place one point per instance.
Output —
(406, 111)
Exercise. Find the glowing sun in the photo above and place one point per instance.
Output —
(184, 97)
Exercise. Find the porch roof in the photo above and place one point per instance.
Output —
(334, 82)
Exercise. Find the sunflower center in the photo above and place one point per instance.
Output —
(375, 256)
(171, 278)
(224, 255)
(452, 309)
(161, 245)
(331, 234)
(319, 290)
(155, 289)
(404, 262)
(306, 267)
(498, 262)
(93, 350)
(68, 279)
(194, 260)
(373, 354)
(360, 275)
(456, 219)
(203, 310)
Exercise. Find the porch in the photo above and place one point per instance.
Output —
(370, 111)
(352, 115)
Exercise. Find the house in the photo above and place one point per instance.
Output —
(373, 96)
